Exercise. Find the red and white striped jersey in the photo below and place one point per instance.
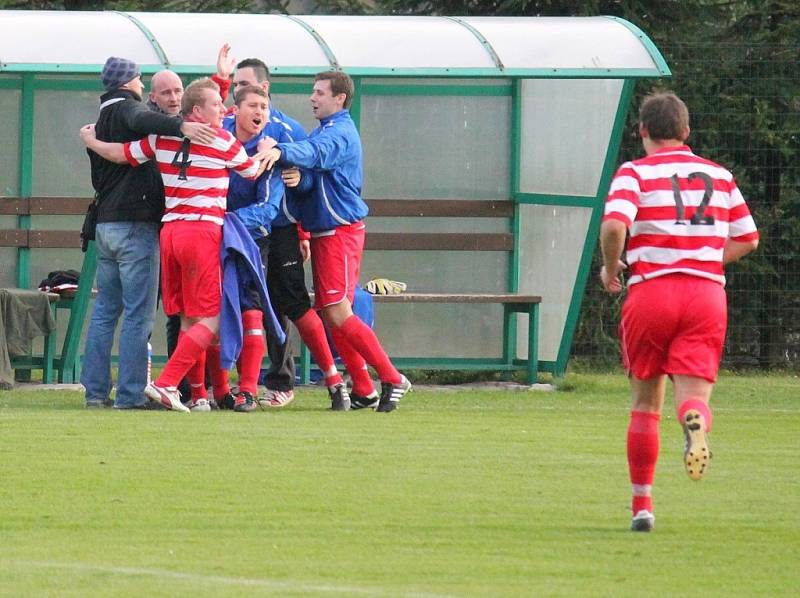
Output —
(680, 209)
(195, 175)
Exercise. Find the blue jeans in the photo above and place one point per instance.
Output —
(127, 287)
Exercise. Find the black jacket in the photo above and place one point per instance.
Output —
(125, 193)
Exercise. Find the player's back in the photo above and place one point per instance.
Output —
(681, 209)
(195, 175)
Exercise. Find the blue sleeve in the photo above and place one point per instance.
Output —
(306, 183)
(259, 215)
(325, 151)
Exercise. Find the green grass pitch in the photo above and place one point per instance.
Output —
(478, 493)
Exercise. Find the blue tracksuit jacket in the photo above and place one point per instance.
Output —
(332, 153)
(241, 264)
(289, 214)
(258, 203)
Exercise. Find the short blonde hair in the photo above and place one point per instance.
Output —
(248, 89)
(193, 94)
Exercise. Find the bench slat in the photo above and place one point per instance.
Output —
(13, 237)
(457, 298)
(59, 206)
(440, 241)
(64, 239)
(445, 208)
(14, 206)
(56, 206)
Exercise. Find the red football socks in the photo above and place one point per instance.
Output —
(191, 343)
(219, 377)
(363, 340)
(252, 350)
(354, 362)
(197, 377)
(698, 405)
(643, 444)
(312, 331)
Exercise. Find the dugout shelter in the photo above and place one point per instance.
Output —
(526, 112)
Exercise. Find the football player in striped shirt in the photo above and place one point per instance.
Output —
(195, 179)
(686, 219)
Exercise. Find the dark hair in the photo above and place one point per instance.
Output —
(238, 98)
(193, 94)
(664, 115)
(340, 83)
(258, 66)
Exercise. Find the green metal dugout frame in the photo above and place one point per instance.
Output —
(335, 42)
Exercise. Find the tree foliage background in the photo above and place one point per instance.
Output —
(735, 63)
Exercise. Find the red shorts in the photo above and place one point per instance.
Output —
(336, 263)
(191, 275)
(674, 324)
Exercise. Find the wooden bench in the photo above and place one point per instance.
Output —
(67, 363)
(65, 366)
(467, 241)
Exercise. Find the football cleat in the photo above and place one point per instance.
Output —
(227, 401)
(277, 398)
(168, 396)
(360, 402)
(340, 398)
(392, 393)
(696, 454)
(244, 402)
(200, 405)
(643, 521)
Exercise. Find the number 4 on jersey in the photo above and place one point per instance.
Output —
(181, 159)
(699, 216)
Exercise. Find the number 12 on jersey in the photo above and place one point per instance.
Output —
(699, 216)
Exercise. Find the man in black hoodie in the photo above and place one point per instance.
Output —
(130, 205)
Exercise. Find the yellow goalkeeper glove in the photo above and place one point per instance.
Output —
(384, 286)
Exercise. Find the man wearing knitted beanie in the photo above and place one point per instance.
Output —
(130, 202)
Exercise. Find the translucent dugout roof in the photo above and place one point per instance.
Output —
(62, 41)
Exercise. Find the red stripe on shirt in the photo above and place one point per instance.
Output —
(186, 193)
(648, 268)
(671, 213)
(675, 242)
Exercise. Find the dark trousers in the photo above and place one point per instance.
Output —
(286, 283)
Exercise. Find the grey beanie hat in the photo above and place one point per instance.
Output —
(118, 71)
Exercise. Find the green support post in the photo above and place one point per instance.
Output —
(25, 174)
(49, 352)
(533, 343)
(305, 364)
(69, 363)
(509, 335)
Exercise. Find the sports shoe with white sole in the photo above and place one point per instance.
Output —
(696, 454)
(200, 405)
(643, 521)
(361, 402)
(340, 398)
(392, 393)
(276, 398)
(168, 396)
